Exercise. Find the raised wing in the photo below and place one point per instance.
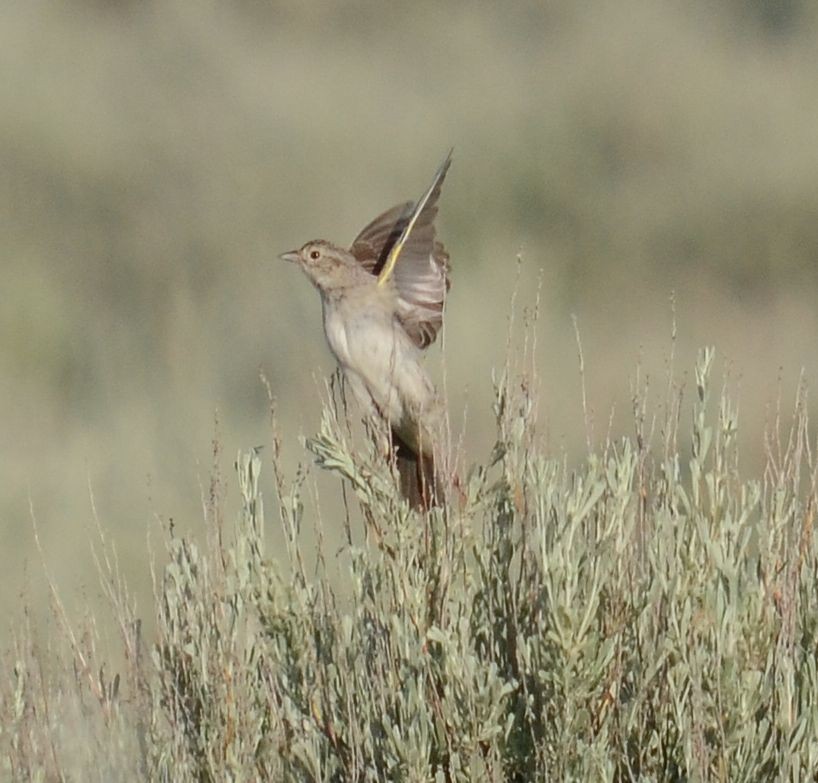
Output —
(400, 246)
(372, 245)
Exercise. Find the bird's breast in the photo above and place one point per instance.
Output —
(359, 336)
(372, 347)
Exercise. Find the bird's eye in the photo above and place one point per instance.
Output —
(314, 254)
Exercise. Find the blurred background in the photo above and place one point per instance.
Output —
(155, 157)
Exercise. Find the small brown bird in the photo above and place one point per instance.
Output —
(383, 303)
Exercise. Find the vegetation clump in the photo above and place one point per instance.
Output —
(648, 614)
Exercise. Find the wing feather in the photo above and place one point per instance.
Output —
(400, 247)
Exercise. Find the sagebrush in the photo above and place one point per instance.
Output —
(649, 614)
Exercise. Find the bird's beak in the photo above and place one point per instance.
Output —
(292, 256)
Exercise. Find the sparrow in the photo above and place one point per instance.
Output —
(383, 301)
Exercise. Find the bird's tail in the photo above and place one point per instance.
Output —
(419, 482)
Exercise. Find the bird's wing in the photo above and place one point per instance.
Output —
(400, 246)
(372, 245)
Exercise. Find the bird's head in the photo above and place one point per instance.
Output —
(326, 265)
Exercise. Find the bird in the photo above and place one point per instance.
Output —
(383, 301)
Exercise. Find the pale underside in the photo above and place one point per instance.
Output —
(381, 363)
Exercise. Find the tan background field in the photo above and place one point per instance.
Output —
(156, 157)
